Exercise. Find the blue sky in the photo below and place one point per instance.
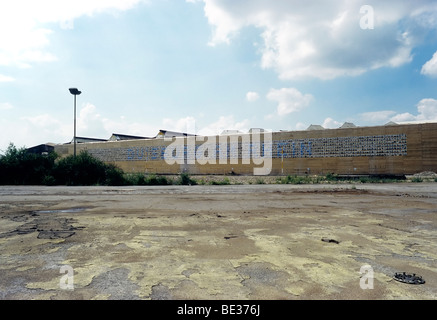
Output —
(211, 65)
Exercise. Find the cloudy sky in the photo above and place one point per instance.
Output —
(208, 65)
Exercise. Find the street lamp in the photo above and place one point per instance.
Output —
(74, 92)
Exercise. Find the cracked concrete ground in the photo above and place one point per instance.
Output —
(218, 242)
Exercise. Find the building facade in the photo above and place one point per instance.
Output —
(380, 150)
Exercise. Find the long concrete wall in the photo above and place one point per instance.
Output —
(381, 150)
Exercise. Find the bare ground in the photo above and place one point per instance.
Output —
(218, 242)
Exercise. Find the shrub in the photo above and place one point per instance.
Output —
(185, 179)
(139, 179)
(260, 181)
(48, 180)
(154, 180)
(294, 180)
(331, 177)
(86, 170)
(225, 181)
(114, 176)
(136, 179)
(17, 166)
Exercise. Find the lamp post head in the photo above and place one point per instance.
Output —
(74, 91)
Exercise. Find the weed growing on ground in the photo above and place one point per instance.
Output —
(225, 181)
(186, 180)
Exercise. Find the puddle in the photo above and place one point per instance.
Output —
(71, 210)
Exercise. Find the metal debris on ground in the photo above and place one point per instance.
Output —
(330, 240)
(408, 278)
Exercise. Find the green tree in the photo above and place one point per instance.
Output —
(86, 170)
(18, 166)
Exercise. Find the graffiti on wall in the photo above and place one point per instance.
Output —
(354, 146)
(357, 146)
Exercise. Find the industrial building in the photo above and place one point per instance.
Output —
(391, 149)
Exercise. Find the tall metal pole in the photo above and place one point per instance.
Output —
(74, 92)
(74, 138)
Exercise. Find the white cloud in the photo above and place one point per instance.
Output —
(224, 123)
(301, 126)
(289, 100)
(186, 124)
(43, 121)
(33, 131)
(252, 96)
(426, 111)
(191, 125)
(6, 78)
(430, 67)
(42, 128)
(323, 39)
(39, 129)
(379, 117)
(6, 106)
(90, 123)
(330, 123)
(26, 25)
(403, 117)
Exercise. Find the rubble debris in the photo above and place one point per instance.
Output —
(330, 240)
(408, 278)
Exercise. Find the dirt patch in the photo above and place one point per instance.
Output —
(218, 242)
(46, 223)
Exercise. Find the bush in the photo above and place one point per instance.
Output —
(48, 180)
(154, 180)
(17, 166)
(185, 179)
(331, 177)
(136, 179)
(294, 180)
(223, 182)
(139, 179)
(114, 176)
(85, 170)
(260, 181)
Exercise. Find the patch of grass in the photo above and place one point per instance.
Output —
(135, 179)
(377, 180)
(417, 179)
(139, 179)
(295, 180)
(156, 180)
(260, 181)
(186, 180)
(223, 182)
(202, 182)
(331, 177)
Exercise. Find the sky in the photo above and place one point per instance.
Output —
(204, 66)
